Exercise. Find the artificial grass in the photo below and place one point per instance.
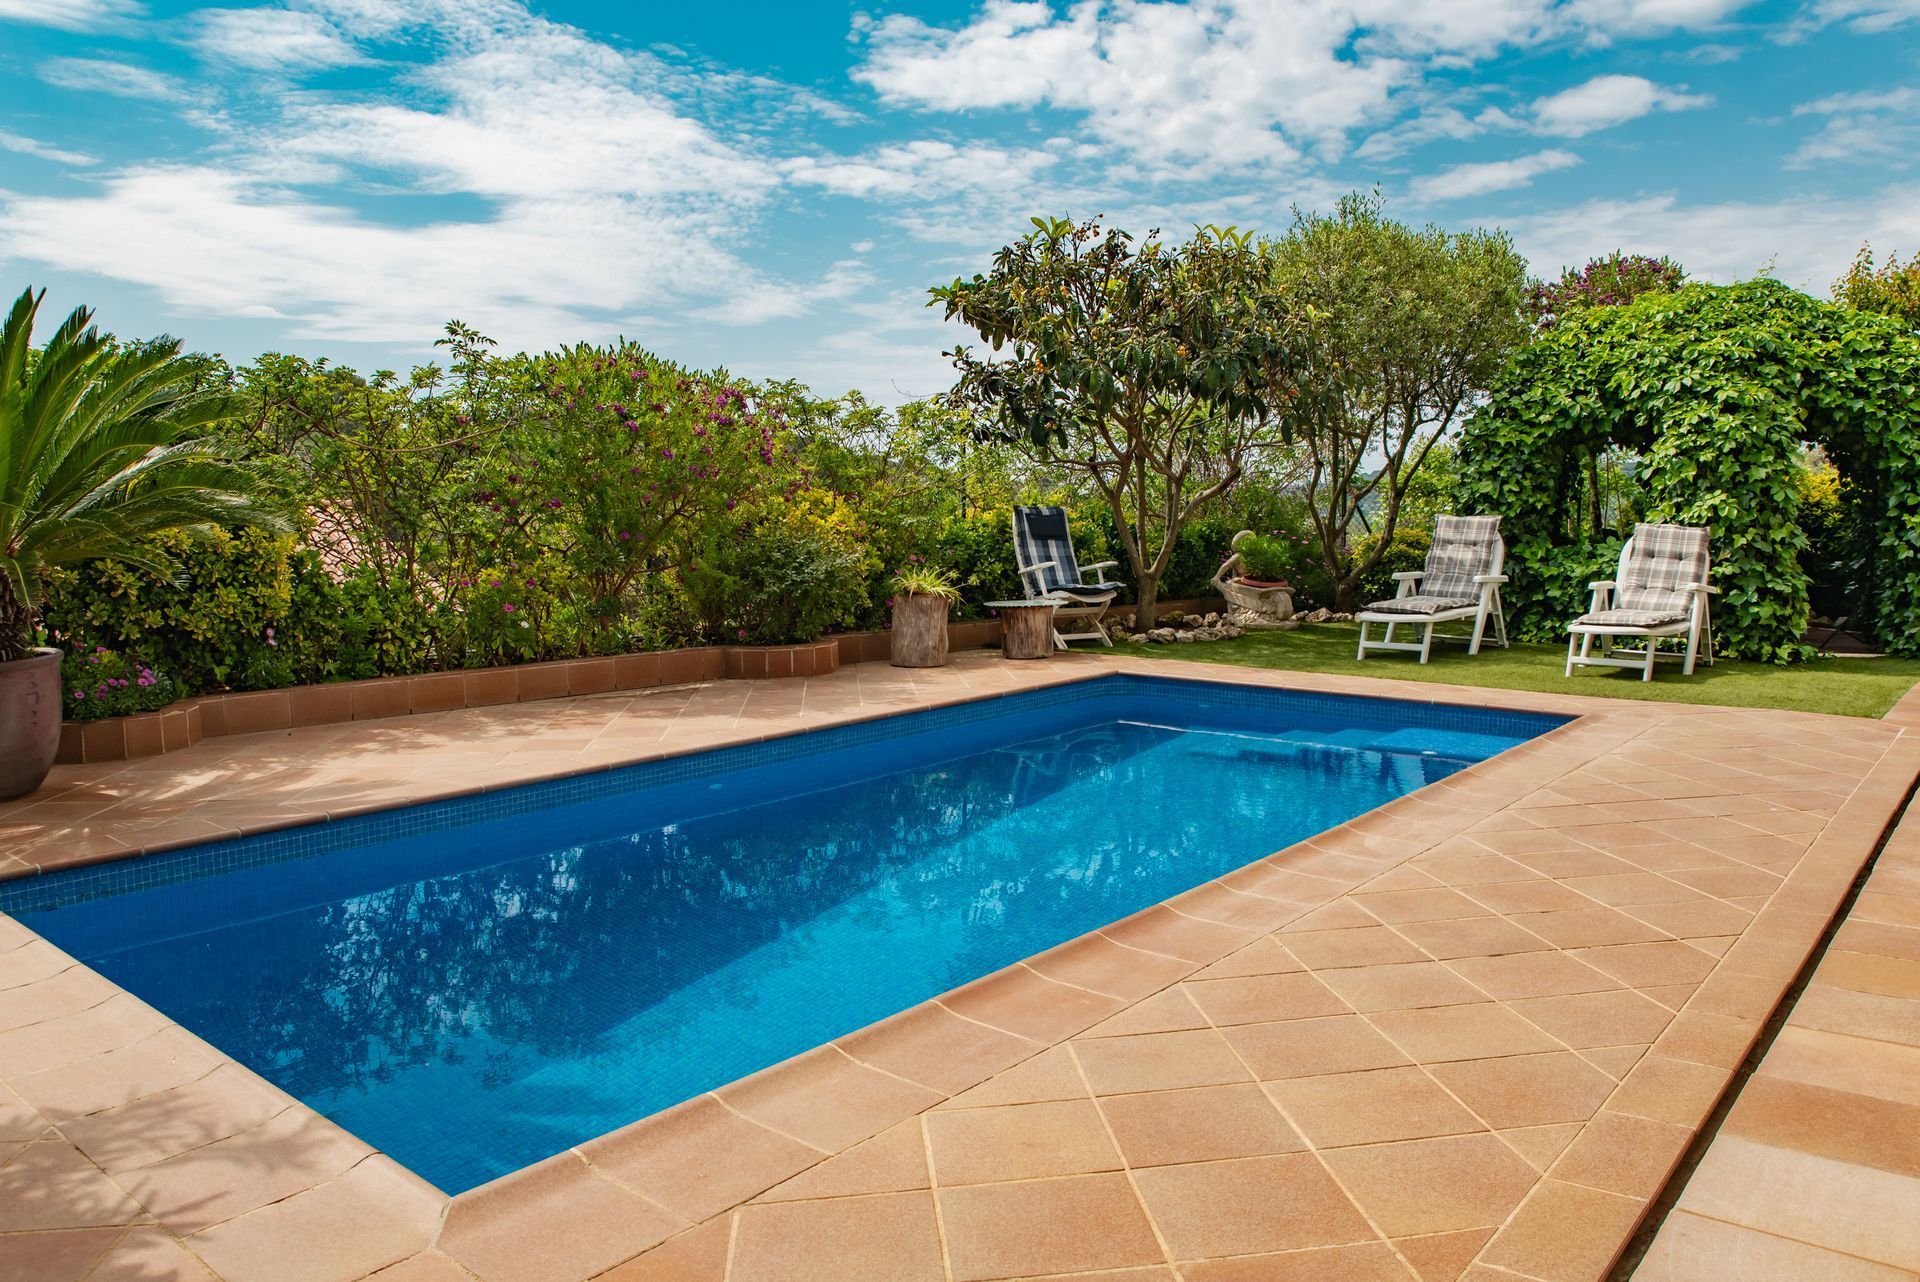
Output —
(1851, 687)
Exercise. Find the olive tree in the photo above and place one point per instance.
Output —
(1407, 328)
(1150, 372)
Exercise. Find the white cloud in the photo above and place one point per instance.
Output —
(22, 145)
(580, 193)
(925, 168)
(1204, 86)
(1866, 15)
(1434, 125)
(1806, 241)
(1606, 18)
(69, 15)
(121, 79)
(265, 39)
(1605, 101)
(1484, 177)
(1867, 126)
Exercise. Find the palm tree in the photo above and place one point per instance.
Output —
(101, 445)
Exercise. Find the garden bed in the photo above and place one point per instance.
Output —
(207, 716)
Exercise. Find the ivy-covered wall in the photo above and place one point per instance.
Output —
(1716, 387)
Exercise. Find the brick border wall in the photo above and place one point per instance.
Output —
(208, 716)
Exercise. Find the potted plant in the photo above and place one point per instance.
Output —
(1265, 561)
(921, 597)
(101, 445)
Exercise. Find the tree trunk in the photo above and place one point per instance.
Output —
(919, 631)
(1346, 596)
(1026, 632)
(1148, 606)
(16, 626)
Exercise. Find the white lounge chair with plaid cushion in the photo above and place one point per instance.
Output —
(1660, 592)
(1043, 547)
(1462, 581)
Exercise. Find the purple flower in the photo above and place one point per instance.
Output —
(508, 607)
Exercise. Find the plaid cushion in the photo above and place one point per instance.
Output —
(1463, 546)
(1424, 603)
(1041, 534)
(1632, 618)
(1659, 562)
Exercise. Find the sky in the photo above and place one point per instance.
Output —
(773, 188)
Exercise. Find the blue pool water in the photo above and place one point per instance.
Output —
(476, 984)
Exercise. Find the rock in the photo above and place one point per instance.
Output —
(1234, 630)
(1162, 634)
(1183, 637)
(1138, 638)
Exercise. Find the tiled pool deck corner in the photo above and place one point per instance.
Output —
(1466, 1035)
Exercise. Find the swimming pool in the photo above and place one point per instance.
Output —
(476, 984)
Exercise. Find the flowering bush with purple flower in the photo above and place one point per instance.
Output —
(99, 682)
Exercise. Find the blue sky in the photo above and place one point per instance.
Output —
(772, 188)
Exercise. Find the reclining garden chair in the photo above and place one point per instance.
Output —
(1660, 591)
(1462, 581)
(1043, 548)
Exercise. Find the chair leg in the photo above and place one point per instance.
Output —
(1572, 640)
(1653, 648)
(1479, 629)
(1363, 643)
(1426, 643)
(1500, 618)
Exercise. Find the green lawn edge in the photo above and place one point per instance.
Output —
(1843, 686)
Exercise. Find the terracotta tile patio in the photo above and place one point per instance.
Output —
(1467, 1035)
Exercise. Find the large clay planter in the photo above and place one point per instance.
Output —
(919, 631)
(29, 721)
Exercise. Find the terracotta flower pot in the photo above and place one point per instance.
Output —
(29, 721)
(919, 631)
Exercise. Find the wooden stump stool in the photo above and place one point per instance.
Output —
(1026, 627)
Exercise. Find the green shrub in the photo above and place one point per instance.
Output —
(104, 683)
(791, 575)
(1407, 551)
(249, 610)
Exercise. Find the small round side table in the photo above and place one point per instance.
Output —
(1026, 627)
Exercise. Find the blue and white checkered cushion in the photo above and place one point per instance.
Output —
(1463, 547)
(1040, 534)
(1660, 562)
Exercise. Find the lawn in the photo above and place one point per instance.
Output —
(1853, 687)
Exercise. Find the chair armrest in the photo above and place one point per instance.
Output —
(1602, 590)
(1085, 570)
(1409, 576)
(1707, 588)
(1492, 578)
(1597, 584)
(1038, 565)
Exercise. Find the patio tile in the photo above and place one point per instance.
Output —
(894, 1161)
(170, 1058)
(1374, 988)
(1313, 1047)
(888, 1237)
(1171, 1011)
(47, 1184)
(1442, 1257)
(1840, 1206)
(1541, 1146)
(1200, 1124)
(1564, 1233)
(697, 1255)
(1631, 1156)
(1522, 975)
(1434, 1185)
(1476, 1031)
(1159, 1061)
(1258, 999)
(1240, 1207)
(1024, 1003)
(1862, 1129)
(1669, 1090)
(1364, 1262)
(221, 1104)
(1617, 1017)
(296, 1149)
(1690, 1247)
(1019, 1141)
(1370, 1107)
(1077, 1224)
(1099, 963)
(1357, 946)
(1527, 1090)
(1643, 964)
(1588, 927)
(670, 1157)
(373, 1216)
(1050, 1075)
(824, 1099)
(64, 1255)
(555, 1221)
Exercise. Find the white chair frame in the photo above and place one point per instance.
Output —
(1071, 610)
(1487, 608)
(1697, 626)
